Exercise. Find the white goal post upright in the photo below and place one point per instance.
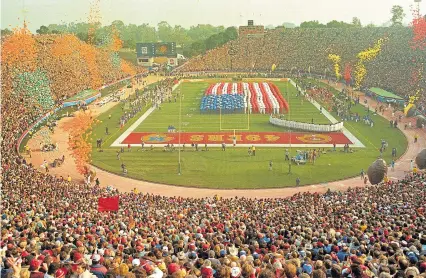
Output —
(233, 129)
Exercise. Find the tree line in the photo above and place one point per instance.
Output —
(193, 41)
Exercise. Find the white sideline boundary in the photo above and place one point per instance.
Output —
(117, 142)
(355, 142)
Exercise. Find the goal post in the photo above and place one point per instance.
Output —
(243, 127)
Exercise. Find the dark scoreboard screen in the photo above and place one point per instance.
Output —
(160, 49)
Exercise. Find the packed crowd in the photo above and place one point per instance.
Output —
(294, 51)
(70, 65)
(50, 226)
(53, 225)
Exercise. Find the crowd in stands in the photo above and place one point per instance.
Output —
(295, 51)
(63, 59)
(50, 226)
(54, 226)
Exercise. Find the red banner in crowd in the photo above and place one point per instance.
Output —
(241, 138)
(108, 204)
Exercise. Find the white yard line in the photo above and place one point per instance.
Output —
(117, 143)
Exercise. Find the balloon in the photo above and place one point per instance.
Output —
(377, 171)
(366, 56)
(336, 60)
(410, 110)
(421, 159)
(79, 145)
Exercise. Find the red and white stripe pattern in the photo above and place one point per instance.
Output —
(264, 98)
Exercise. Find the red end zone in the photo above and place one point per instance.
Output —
(242, 138)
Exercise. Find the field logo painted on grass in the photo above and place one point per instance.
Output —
(315, 138)
(242, 138)
(156, 138)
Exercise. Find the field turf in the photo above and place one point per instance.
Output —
(194, 121)
(234, 168)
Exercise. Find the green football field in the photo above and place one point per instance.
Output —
(234, 168)
(194, 121)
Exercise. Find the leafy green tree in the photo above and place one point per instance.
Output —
(149, 34)
(61, 28)
(165, 31)
(338, 24)
(5, 32)
(231, 33)
(84, 36)
(397, 15)
(356, 22)
(43, 30)
(203, 31)
(180, 35)
(289, 25)
(370, 25)
(312, 24)
(80, 27)
(118, 24)
(212, 42)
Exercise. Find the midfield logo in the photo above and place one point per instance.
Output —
(157, 138)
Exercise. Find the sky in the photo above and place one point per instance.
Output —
(192, 12)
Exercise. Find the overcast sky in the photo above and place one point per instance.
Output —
(193, 12)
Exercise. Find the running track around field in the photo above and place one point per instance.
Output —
(242, 139)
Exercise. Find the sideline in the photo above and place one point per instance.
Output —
(119, 140)
(356, 143)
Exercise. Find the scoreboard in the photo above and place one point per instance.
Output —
(159, 49)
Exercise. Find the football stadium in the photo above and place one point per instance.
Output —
(213, 146)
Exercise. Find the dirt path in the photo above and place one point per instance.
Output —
(126, 184)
